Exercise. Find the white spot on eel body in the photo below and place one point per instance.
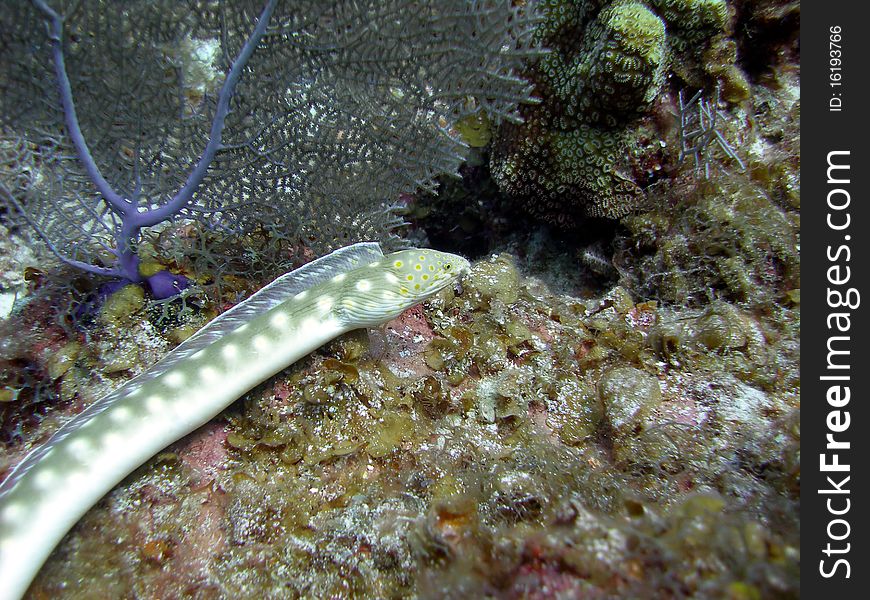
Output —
(119, 414)
(155, 403)
(301, 295)
(230, 351)
(45, 478)
(209, 373)
(339, 278)
(175, 379)
(13, 512)
(363, 285)
(261, 343)
(392, 278)
(279, 320)
(80, 448)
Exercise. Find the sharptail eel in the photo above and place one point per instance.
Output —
(57, 483)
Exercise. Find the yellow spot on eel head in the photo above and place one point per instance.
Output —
(398, 264)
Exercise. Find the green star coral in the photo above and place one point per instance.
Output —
(625, 62)
(614, 73)
(565, 155)
(692, 21)
(555, 169)
(607, 65)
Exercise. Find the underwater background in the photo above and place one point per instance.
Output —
(606, 406)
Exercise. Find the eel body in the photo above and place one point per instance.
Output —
(50, 490)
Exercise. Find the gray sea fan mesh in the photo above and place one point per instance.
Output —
(343, 106)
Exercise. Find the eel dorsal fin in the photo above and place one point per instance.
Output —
(283, 288)
(288, 285)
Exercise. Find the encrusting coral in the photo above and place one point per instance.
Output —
(720, 239)
(736, 234)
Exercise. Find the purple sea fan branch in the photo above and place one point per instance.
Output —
(71, 120)
(9, 197)
(132, 219)
(305, 119)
